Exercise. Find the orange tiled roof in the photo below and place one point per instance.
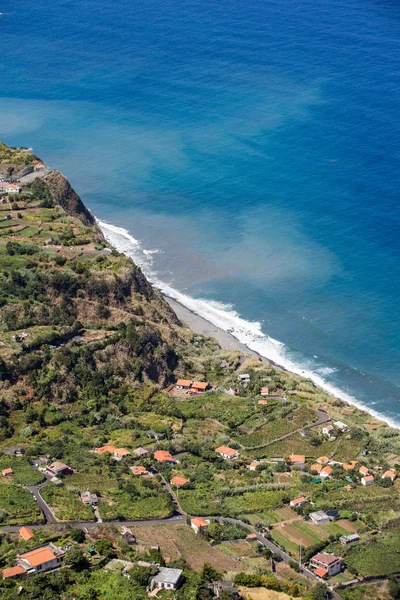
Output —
(200, 385)
(140, 470)
(184, 382)
(178, 480)
(322, 460)
(321, 572)
(299, 500)
(38, 556)
(348, 467)
(7, 471)
(226, 450)
(263, 402)
(390, 474)
(316, 467)
(12, 572)
(264, 390)
(297, 458)
(255, 463)
(363, 471)
(368, 478)
(327, 470)
(199, 522)
(26, 533)
(104, 449)
(163, 456)
(121, 452)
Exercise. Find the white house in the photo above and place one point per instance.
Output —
(199, 524)
(328, 430)
(326, 565)
(9, 188)
(367, 480)
(166, 579)
(348, 539)
(298, 502)
(319, 517)
(341, 426)
(36, 561)
(227, 452)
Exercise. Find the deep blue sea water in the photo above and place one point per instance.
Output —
(251, 148)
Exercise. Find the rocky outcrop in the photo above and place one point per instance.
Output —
(64, 195)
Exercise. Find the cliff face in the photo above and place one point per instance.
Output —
(63, 194)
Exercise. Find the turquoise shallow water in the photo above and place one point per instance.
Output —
(251, 149)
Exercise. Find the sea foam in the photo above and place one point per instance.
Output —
(225, 317)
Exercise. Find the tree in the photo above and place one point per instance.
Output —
(209, 574)
(394, 588)
(76, 559)
(78, 535)
(319, 592)
(104, 547)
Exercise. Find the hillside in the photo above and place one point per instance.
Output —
(90, 354)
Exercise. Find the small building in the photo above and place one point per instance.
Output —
(121, 453)
(200, 386)
(389, 475)
(39, 166)
(90, 499)
(109, 449)
(59, 468)
(12, 572)
(163, 456)
(199, 524)
(316, 467)
(264, 391)
(363, 471)
(326, 472)
(227, 453)
(328, 430)
(7, 472)
(183, 384)
(263, 402)
(179, 480)
(166, 579)
(348, 467)
(128, 536)
(139, 470)
(349, 539)
(297, 460)
(225, 587)
(326, 565)
(15, 451)
(367, 480)
(341, 426)
(26, 533)
(298, 502)
(9, 188)
(252, 537)
(253, 465)
(244, 377)
(141, 452)
(332, 514)
(319, 517)
(323, 460)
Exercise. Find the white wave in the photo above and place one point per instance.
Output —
(225, 317)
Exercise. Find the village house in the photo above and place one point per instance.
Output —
(326, 565)
(117, 453)
(348, 467)
(341, 426)
(326, 472)
(328, 430)
(319, 517)
(9, 188)
(7, 472)
(323, 460)
(141, 452)
(299, 502)
(59, 468)
(121, 453)
(183, 384)
(348, 539)
(128, 536)
(90, 499)
(252, 537)
(264, 391)
(166, 579)
(263, 402)
(389, 475)
(367, 480)
(244, 377)
(297, 460)
(139, 470)
(227, 452)
(253, 465)
(26, 533)
(36, 561)
(179, 480)
(200, 386)
(199, 524)
(163, 456)
(363, 471)
(316, 467)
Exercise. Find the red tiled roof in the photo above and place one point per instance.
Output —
(7, 471)
(12, 572)
(294, 458)
(199, 522)
(163, 456)
(226, 450)
(38, 556)
(321, 572)
(200, 385)
(139, 470)
(104, 449)
(184, 382)
(26, 533)
(178, 480)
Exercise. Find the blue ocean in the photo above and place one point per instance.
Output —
(246, 153)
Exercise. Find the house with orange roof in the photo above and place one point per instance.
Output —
(163, 456)
(7, 472)
(227, 452)
(367, 480)
(179, 480)
(348, 466)
(199, 524)
(326, 472)
(38, 560)
(118, 453)
(297, 460)
(316, 467)
(298, 502)
(12, 572)
(9, 188)
(263, 402)
(200, 386)
(252, 537)
(121, 453)
(106, 449)
(326, 565)
(253, 465)
(139, 470)
(183, 384)
(323, 460)
(26, 533)
(389, 475)
(363, 471)
(264, 391)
